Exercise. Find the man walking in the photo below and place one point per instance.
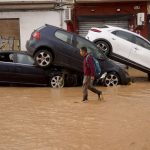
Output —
(89, 74)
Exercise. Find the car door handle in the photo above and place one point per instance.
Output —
(136, 48)
(113, 39)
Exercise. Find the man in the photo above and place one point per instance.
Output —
(89, 74)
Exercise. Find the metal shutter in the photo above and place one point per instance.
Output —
(84, 26)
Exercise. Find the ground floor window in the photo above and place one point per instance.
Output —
(9, 34)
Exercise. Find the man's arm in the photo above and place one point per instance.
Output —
(91, 64)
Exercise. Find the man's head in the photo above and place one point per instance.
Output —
(83, 51)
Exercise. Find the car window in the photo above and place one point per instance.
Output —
(81, 42)
(64, 36)
(24, 59)
(124, 35)
(7, 57)
(139, 41)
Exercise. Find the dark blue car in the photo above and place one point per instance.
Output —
(20, 68)
(50, 45)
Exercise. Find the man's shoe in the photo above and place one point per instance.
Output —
(84, 100)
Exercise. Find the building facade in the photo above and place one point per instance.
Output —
(127, 14)
(19, 18)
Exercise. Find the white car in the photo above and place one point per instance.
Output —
(122, 45)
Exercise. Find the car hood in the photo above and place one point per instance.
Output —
(108, 65)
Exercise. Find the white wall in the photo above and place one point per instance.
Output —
(32, 20)
(26, 0)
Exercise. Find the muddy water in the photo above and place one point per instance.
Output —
(34, 118)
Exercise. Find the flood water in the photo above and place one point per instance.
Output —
(42, 118)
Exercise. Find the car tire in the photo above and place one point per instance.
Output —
(57, 81)
(111, 79)
(104, 46)
(43, 58)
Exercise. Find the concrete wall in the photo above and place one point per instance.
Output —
(26, 0)
(31, 20)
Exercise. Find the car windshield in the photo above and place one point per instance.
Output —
(92, 49)
(25, 59)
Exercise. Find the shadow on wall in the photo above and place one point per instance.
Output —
(9, 44)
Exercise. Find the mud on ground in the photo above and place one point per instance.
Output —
(42, 118)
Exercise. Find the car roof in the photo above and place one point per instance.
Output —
(126, 30)
(58, 28)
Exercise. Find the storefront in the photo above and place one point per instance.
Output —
(130, 15)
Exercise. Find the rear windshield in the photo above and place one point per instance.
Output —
(103, 26)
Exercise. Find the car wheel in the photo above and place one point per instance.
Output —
(104, 46)
(57, 81)
(111, 79)
(43, 58)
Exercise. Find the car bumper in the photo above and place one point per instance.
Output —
(126, 79)
(30, 48)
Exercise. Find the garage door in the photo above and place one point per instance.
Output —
(84, 26)
(9, 34)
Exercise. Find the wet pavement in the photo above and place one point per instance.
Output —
(42, 118)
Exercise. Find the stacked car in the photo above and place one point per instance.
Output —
(53, 58)
(123, 46)
(53, 46)
(20, 68)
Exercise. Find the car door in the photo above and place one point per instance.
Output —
(7, 67)
(66, 54)
(121, 43)
(140, 53)
(78, 42)
(27, 72)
